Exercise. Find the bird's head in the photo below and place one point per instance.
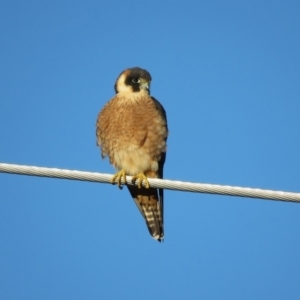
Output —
(133, 80)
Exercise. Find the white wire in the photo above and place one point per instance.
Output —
(156, 183)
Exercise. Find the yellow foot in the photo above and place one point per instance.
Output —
(117, 178)
(140, 177)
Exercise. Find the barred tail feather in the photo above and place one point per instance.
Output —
(151, 208)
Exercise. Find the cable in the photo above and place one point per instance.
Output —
(156, 183)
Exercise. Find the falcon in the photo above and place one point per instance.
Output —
(132, 131)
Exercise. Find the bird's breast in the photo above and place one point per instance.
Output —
(132, 133)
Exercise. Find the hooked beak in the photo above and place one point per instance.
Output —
(145, 85)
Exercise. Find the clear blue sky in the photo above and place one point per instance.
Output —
(228, 75)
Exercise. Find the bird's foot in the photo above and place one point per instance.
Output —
(140, 177)
(117, 178)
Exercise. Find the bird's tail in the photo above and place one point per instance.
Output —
(150, 203)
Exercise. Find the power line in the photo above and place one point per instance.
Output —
(156, 183)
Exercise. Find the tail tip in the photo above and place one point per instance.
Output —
(159, 238)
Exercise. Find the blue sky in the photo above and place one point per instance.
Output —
(227, 73)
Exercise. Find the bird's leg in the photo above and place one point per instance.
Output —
(140, 177)
(117, 178)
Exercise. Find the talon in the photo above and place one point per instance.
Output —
(140, 177)
(117, 178)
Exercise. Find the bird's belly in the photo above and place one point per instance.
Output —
(134, 160)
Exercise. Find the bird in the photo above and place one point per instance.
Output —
(132, 130)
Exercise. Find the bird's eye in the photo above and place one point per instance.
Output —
(135, 80)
